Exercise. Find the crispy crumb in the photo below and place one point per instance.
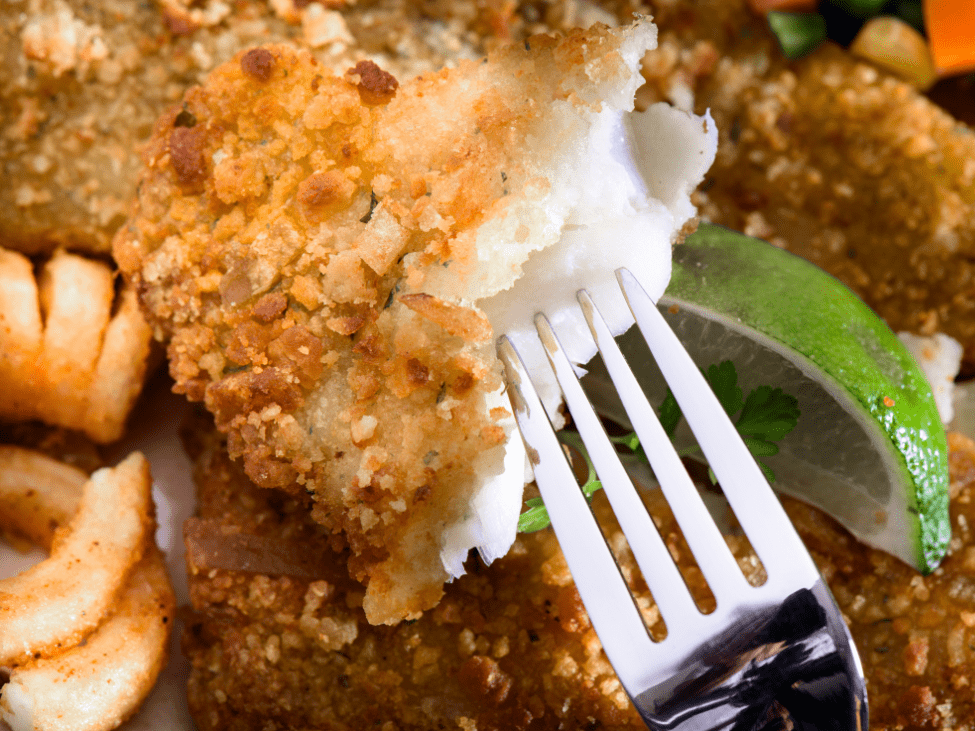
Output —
(258, 63)
(296, 650)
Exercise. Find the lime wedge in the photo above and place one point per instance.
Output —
(869, 448)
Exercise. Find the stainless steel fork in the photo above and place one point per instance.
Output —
(771, 658)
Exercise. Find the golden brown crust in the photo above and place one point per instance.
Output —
(510, 646)
(857, 172)
(831, 158)
(83, 82)
(258, 62)
(288, 228)
(913, 632)
(81, 88)
(258, 365)
(375, 85)
(507, 647)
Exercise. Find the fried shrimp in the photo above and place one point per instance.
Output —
(330, 256)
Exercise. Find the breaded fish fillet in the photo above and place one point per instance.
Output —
(81, 84)
(857, 172)
(832, 159)
(80, 87)
(915, 634)
(331, 257)
(282, 642)
(287, 646)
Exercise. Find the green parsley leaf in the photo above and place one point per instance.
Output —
(632, 442)
(723, 379)
(534, 519)
(670, 414)
(760, 447)
(768, 414)
(766, 470)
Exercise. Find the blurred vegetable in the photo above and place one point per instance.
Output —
(919, 40)
(951, 30)
(895, 46)
(797, 33)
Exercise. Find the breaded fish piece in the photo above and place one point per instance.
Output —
(285, 644)
(283, 640)
(330, 258)
(81, 84)
(857, 172)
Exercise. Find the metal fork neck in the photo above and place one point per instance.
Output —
(788, 668)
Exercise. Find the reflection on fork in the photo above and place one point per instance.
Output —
(773, 657)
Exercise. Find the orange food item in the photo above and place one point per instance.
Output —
(949, 25)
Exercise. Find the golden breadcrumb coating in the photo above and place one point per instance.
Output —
(289, 225)
(915, 634)
(832, 159)
(81, 84)
(286, 644)
(283, 643)
(857, 172)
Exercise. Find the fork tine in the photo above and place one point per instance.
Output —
(610, 606)
(706, 543)
(659, 571)
(755, 505)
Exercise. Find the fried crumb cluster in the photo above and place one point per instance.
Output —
(510, 645)
(292, 228)
(83, 83)
(81, 87)
(269, 247)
